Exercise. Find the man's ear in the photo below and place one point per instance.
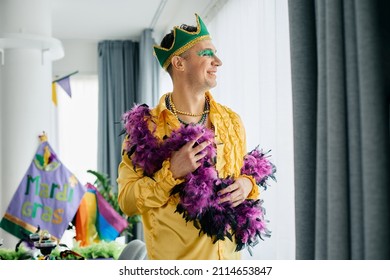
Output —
(177, 63)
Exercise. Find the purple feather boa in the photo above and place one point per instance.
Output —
(198, 193)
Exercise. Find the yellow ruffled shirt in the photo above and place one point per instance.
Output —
(167, 235)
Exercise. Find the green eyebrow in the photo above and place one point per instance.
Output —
(206, 52)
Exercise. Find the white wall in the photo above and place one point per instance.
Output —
(80, 55)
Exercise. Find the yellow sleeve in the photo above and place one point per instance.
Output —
(254, 194)
(138, 193)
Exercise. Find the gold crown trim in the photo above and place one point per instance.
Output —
(182, 30)
(183, 49)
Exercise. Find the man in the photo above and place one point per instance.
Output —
(151, 181)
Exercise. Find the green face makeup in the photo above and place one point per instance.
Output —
(206, 52)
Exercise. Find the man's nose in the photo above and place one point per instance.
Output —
(217, 61)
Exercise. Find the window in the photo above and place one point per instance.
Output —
(77, 126)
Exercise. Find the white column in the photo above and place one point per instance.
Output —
(26, 109)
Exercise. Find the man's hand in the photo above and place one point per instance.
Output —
(237, 192)
(186, 160)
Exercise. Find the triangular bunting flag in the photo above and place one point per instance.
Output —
(54, 93)
(65, 84)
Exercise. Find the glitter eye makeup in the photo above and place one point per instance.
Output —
(206, 52)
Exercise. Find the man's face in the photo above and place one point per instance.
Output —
(201, 65)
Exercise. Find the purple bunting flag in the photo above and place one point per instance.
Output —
(65, 84)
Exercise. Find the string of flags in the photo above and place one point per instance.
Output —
(64, 83)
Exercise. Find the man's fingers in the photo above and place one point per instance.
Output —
(192, 143)
(200, 147)
(232, 198)
(228, 189)
(199, 156)
(232, 194)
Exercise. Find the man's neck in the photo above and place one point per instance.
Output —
(188, 100)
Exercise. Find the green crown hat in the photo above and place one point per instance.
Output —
(182, 41)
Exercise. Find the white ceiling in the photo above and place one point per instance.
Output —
(124, 19)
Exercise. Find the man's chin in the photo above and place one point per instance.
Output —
(213, 85)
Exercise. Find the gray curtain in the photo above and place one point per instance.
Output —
(148, 71)
(340, 81)
(118, 73)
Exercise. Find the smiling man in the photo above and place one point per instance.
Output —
(175, 154)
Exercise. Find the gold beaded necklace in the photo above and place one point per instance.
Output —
(178, 112)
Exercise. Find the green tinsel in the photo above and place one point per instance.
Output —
(10, 254)
(100, 250)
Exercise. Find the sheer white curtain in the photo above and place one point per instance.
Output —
(252, 39)
(77, 126)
